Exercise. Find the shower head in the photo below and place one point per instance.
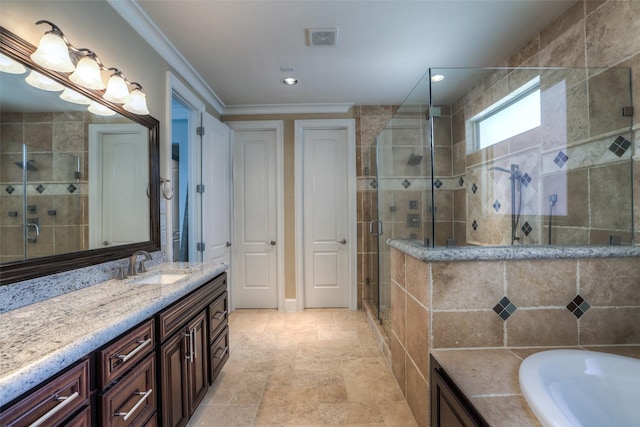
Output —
(30, 165)
(414, 160)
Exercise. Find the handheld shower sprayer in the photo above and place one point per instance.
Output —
(515, 178)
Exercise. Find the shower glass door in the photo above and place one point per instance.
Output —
(403, 204)
(43, 202)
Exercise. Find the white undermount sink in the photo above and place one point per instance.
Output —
(160, 278)
(577, 388)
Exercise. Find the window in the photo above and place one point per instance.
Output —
(514, 114)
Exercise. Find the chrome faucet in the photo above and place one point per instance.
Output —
(131, 271)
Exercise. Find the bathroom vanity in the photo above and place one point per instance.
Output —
(119, 353)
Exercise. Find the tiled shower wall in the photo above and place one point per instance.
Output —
(56, 143)
(588, 151)
(499, 304)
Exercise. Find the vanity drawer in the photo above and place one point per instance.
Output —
(218, 313)
(125, 352)
(53, 402)
(219, 353)
(174, 317)
(132, 400)
(81, 419)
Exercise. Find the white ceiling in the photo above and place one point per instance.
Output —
(384, 47)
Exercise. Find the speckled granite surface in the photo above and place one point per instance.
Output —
(489, 378)
(497, 253)
(16, 295)
(38, 340)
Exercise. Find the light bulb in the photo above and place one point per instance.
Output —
(53, 53)
(100, 110)
(117, 90)
(43, 82)
(71, 95)
(8, 65)
(138, 103)
(87, 74)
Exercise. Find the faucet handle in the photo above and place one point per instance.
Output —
(141, 267)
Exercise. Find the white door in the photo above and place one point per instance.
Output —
(255, 250)
(216, 205)
(327, 223)
(119, 173)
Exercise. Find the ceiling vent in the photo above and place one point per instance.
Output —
(322, 36)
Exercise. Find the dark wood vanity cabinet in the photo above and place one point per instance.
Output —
(185, 331)
(57, 402)
(156, 374)
(449, 406)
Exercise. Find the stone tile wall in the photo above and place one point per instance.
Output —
(505, 304)
(56, 142)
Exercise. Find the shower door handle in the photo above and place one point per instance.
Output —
(380, 227)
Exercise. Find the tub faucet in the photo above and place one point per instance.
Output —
(131, 271)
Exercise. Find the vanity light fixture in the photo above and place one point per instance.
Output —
(43, 82)
(55, 52)
(71, 95)
(100, 110)
(87, 73)
(138, 103)
(8, 65)
(117, 90)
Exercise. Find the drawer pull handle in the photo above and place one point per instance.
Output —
(224, 351)
(220, 314)
(64, 401)
(145, 395)
(126, 357)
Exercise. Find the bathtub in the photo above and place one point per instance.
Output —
(577, 388)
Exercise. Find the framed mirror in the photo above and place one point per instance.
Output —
(76, 188)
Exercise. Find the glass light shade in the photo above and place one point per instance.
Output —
(87, 74)
(100, 110)
(138, 104)
(40, 81)
(117, 90)
(8, 65)
(71, 95)
(53, 53)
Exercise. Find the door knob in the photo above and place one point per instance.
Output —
(228, 244)
(272, 243)
(106, 243)
(342, 242)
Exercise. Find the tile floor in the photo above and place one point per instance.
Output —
(311, 368)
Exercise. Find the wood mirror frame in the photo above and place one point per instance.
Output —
(20, 50)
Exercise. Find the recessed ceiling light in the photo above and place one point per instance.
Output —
(290, 81)
(437, 78)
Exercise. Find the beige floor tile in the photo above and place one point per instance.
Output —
(306, 369)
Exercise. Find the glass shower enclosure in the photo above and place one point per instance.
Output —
(500, 157)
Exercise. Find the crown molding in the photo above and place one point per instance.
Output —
(266, 109)
(131, 12)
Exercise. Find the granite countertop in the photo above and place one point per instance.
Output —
(496, 253)
(489, 378)
(39, 340)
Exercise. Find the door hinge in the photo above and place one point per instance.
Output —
(200, 247)
(200, 188)
(200, 130)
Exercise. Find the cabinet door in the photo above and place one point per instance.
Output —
(447, 408)
(173, 377)
(198, 364)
